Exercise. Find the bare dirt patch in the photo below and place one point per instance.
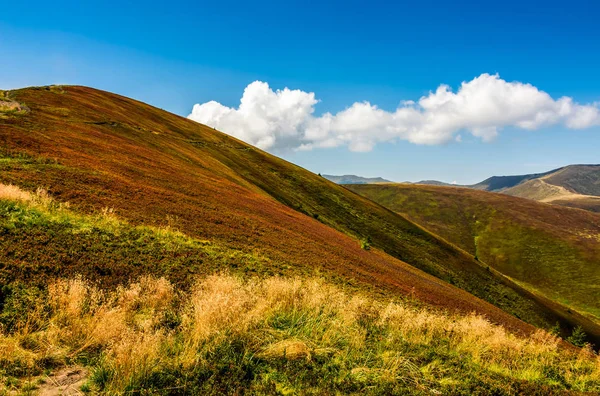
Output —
(64, 382)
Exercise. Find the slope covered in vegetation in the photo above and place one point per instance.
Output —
(551, 250)
(125, 190)
(576, 186)
(584, 202)
(100, 151)
(266, 335)
(580, 179)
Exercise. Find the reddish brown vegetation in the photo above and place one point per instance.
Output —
(99, 150)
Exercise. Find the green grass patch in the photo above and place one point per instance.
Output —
(545, 248)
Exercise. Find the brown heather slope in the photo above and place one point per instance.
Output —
(554, 251)
(99, 150)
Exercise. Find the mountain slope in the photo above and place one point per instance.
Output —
(500, 183)
(98, 151)
(538, 190)
(574, 185)
(353, 179)
(552, 250)
(580, 179)
(225, 335)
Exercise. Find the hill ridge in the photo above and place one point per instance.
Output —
(99, 150)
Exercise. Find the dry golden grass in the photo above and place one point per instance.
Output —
(9, 191)
(291, 319)
(39, 199)
(150, 336)
(6, 106)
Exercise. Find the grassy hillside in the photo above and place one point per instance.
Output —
(538, 190)
(237, 333)
(133, 191)
(275, 336)
(552, 250)
(97, 150)
(575, 186)
(591, 204)
(541, 190)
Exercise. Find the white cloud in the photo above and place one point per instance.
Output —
(283, 119)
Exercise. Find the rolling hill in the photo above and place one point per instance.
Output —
(125, 190)
(97, 150)
(551, 250)
(576, 186)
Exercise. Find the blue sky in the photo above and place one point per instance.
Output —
(175, 55)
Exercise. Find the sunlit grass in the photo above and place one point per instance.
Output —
(277, 333)
(228, 333)
(550, 250)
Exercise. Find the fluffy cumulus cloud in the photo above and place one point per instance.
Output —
(284, 119)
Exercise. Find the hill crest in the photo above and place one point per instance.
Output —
(99, 151)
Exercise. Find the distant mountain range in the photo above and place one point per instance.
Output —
(573, 185)
(353, 179)
(436, 183)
